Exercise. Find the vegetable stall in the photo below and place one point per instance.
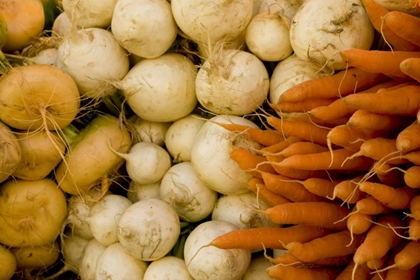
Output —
(241, 139)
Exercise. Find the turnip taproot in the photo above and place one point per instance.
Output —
(210, 263)
(89, 13)
(10, 152)
(148, 131)
(167, 268)
(257, 269)
(89, 259)
(138, 192)
(36, 257)
(144, 27)
(32, 213)
(8, 263)
(148, 229)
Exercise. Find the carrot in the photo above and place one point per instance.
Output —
(339, 84)
(394, 198)
(331, 245)
(374, 61)
(408, 257)
(282, 272)
(364, 119)
(409, 138)
(397, 274)
(376, 264)
(371, 206)
(299, 128)
(376, 13)
(404, 101)
(249, 162)
(405, 25)
(387, 174)
(267, 237)
(412, 176)
(411, 67)
(257, 186)
(275, 148)
(381, 149)
(414, 3)
(415, 208)
(413, 229)
(288, 188)
(301, 106)
(290, 259)
(301, 148)
(335, 160)
(320, 186)
(358, 223)
(336, 109)
(322, 214)
(413, 157)
(348, 190)
(362, 273)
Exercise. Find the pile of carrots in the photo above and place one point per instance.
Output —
(340, 166)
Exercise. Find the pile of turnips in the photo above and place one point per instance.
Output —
(136, 134)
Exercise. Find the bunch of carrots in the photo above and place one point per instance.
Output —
(343, 177)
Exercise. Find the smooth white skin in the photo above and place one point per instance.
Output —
(257, 269)
(90, 13)
(167, 268)
(148, 131)
(93, 58)
(287, 7)
(47, 56)
(232, 82)
(116, 264)
(72, 247)
(104, 216)
(211, 263)
(290, 72)
(181, 135)
(144, 27)
(242, 210)
(186, 193)
(138, 192)
(146, 163)
(89, 259)
(149, 229)
(62, 26)
(267, 36)
(210, 155)
(322, 28)
(161, 89)
(207, 21)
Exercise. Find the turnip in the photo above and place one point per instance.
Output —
(161, 89)
(148, 229)
(242, 210)
(104, 216)
(89, 13)
(8, 263)
(210, 155)
(287, 7)
(138, 192)
(148, 131)
(267, 36)
(322, 28)
(10, 152)
(32, 213)
(62, 26)
(144, 27)
(167, 268)
(184, 191)
(116, 264)
(210, 21)
(257, 269)
(82, 54)
(36, 257)
(146, 163)
(232, 82)
(208, 262)
(89, 259)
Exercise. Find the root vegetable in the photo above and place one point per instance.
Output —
(38, 257)
(288, 7)
(148, 229)
(138, 192)
(257, 269)
(167, 268)
(148, 131)
(89, 259)
(10, 152)
(62, 26)
(47, 56)
(31, 212)
(8, 263)
(186, 193)
(90, 13)
(144, 27)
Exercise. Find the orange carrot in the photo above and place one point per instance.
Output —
(339, 84)
(413, 157)
(267, 237)
(323, 214)
(415, 208)
(348, 190)
(364, 119)
(412, 176)
(408, 257)
(336, 109)
(374, 61)
(332, 245)
(376, 264)
(301, 106)
(320, 186)
(371, 206)
(411, 67)
(301, 148)
(409, 138)
(394, 198)
(362, 273)
(413, 229)
(397, 273)
(381, 149)
(257, 186)
(406, 26)
(290, 259)
(358, 223)
(281, 272)
(376, 12)
(275, 148)
(249, 162)
(387, 174)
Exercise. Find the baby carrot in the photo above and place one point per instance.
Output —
(409, 138)
(249, 162)
(301, 148)
(364, 119)
(320, 186)
(406, 26)
(415, 208)
(362, 273)
(387, 174)
(358, 223)
(275, 148)
(348, 190)
(301, 106)
(381, 149)
(408, 257)
(290, 259)
(336, 109)
(371, 206)
(411, 67)
(282, 272)
(412, 176)
(257, 186)
(396, 273)
(413, 229)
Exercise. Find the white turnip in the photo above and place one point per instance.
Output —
(257, 269)
(89, 13)
(138, 192)
(287, 7)
(89, 259)
(167, 268)
(62, 26)
(148, 131)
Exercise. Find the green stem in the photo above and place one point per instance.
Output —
(70, 134)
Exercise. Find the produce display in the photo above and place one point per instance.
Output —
(209, 140)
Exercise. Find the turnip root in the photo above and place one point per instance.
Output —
(257, 269)
(242, 210)
(161, 89)
(41, 152)
(343, 25)
(232, 82)
(181, 135)
(62, 26)
(210, 263)
(82, 54)
(104, 216)
(116, 264)
(10, 152)
(90, 157)
(38, 257)
(148, 131)
(167, 268)
(38, 96)
(144, 27)
(89, 259)
(89, 13)
(32, 213)
(287, 7)
(47, 56)
(267, 36)
(210, 155)
(210, 21)
(8, 263)
(148, 229)
(138, 192)
(184, 191)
